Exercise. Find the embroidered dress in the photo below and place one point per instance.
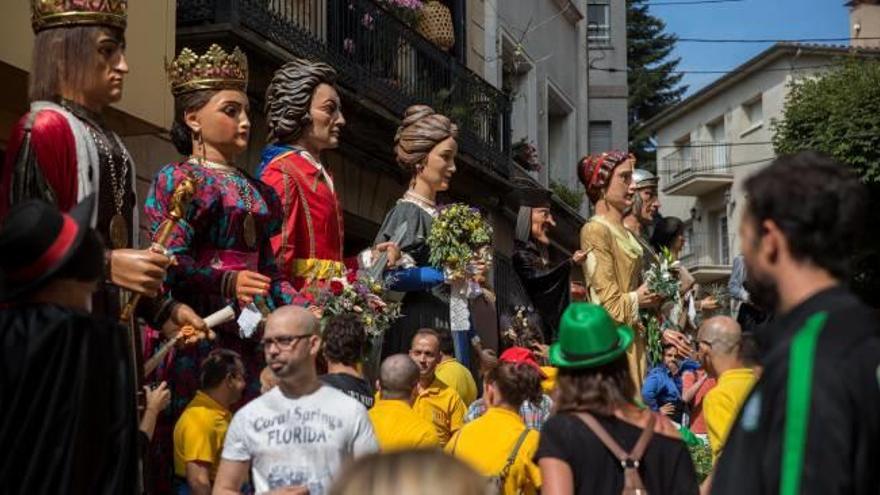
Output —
(309, 244)
(209, 246)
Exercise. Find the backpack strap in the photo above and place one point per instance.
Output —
(512, 457)
(797, 406)
(625, 458)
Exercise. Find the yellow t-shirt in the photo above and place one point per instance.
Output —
(454, 374)
(398, 427)
(549, 383)
(486, 442)
(199, 433)
(441, 406)
(722, 403)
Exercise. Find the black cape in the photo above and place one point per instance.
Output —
(548, 288)
(68, 418)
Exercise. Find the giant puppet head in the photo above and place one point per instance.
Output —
(303, 106)
(646, 202)
(86, 41)
(534, 219)
(425, 146)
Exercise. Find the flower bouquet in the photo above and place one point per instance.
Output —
(662, 277)
(408, 11)
(460, 238)
(355, 294)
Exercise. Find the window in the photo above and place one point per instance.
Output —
(599, 137)
(754, 113)
(598, 23)
(723, 240)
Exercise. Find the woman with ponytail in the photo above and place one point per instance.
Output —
(614, 257)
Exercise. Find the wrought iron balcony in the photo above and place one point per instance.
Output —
(378, 58)
(707, 257)
(696, 169)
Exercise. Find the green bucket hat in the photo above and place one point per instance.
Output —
(588, 337)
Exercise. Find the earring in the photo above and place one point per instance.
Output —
(201, 156)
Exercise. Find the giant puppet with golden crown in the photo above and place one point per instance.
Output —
(62, 151)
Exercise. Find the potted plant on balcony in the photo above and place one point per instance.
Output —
(408, 11)
(524, 153)
(568, 195)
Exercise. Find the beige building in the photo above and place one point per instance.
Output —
(710, 142)
(864, 23)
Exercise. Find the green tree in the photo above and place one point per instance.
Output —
(838, 114)
(654, 84)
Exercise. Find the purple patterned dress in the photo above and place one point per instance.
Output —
(209, 244)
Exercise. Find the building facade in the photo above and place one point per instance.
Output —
(608, 88)
(708, 144)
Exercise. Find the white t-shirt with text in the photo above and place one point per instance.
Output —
(302, 441)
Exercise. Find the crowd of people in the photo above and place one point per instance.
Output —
(608, 395)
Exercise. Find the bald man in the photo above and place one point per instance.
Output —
(397, 426)
(719, 345)
(298, 434)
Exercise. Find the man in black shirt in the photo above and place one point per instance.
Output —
(817, 430)
(344, 343)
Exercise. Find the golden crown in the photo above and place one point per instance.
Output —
(47, 14)
(216, 69)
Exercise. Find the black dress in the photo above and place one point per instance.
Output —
(549, 288)
(67, 422)
(666, 467)
(425, 308)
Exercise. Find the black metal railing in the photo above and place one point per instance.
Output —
(377, 56)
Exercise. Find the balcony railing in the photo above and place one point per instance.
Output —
(696, 167)
(377, 57)
(706, 256)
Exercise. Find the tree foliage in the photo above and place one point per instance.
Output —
(653, 83)
(837, 113)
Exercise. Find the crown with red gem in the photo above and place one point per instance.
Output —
(46, 14)
(216, 69)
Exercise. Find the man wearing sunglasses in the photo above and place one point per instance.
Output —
(299, 433)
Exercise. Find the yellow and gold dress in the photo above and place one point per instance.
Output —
(612, 269)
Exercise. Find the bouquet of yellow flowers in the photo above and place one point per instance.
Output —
(458, 236)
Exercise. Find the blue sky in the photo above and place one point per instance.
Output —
(748, 19)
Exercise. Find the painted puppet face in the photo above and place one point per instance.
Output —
(327, 120)
(223, 123)
(542, 222)
(439, 165)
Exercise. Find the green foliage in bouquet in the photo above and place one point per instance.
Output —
(655, 338)
(701, 454)
(662, 278)
(358, 295)
(457, 235)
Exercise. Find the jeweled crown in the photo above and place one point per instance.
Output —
(216, 69)
(47, 14)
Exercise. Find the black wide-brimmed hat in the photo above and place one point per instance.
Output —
(530, 194)
(36, 240)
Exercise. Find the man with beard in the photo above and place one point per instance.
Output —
(297, 435)
(812, 422)
(548, 287)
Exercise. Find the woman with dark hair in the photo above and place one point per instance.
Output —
(222, 248)
(425, 147)
(597, 418)
(498, 444)
(614, 256)
(679, 315)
